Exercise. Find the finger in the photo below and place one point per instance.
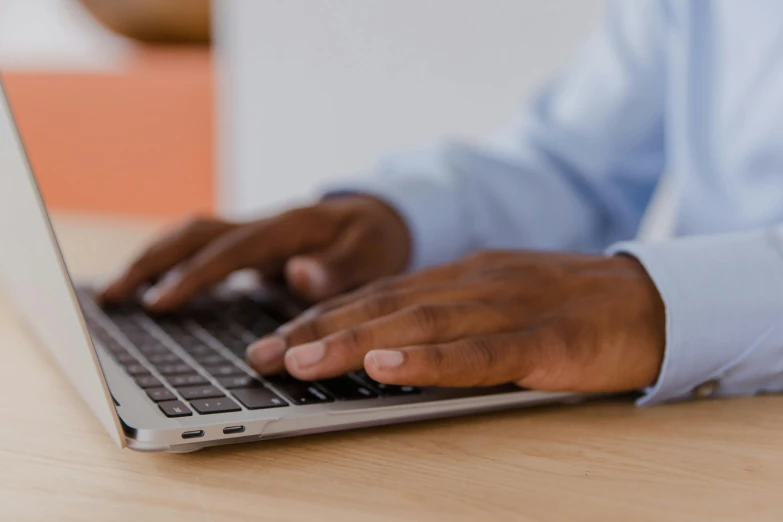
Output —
(208, 267)
(338, 268)
(264, 245)
(424, 324)
(345, 349)
(168, 251)
(391, 284)
(313, 325)
(473, 361)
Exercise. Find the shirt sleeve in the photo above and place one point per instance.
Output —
(724, 312)
(575, 172)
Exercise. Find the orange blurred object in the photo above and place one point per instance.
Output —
(137, 142)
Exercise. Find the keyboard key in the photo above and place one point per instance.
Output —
(258, 398)
(125, 358)
(299, 392)
(198, 350)
(148, 381)
(254, 317)
(136, 370)
(136, 334)
(240, 381)
(391, 390)
(160, 394)
(221, 405)
(181, 335)
(386, 390)
(174, 369)
(211, 359)
(225, 370)
(263, 326)
(179, 381)
(155, 349)
(174, 409)
(237, 346)
(347, 389)
(200, 392)
(231, 340)
(164, 358)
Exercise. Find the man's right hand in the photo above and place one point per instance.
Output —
(321, 250)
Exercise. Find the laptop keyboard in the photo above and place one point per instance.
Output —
(191, 362)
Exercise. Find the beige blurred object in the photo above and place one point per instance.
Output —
(155, 21)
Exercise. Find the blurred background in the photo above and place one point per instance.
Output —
(162, 107)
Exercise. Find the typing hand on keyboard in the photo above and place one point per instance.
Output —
(322, 250)
(187, 361)
(555, 322)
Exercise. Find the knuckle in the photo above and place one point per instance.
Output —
(304, 215)
(304, 332)
(379, 305)
(428, 319)
(383, 285)
(195, 222)
(480, 357)
(350, 340)
(437, 358)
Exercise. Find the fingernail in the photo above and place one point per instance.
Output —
(306, 354)
(386, 359)
(156, 293)
(316, 278)
(265, 351)
(151, 296)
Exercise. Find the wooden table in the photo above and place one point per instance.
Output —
(716, 460)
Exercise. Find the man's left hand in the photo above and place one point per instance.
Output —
(545, 321)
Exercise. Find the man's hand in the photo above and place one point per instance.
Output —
(322, 250)
(544, 321)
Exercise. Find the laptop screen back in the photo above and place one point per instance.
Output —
(33, 276)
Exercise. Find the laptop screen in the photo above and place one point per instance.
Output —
(35, 280)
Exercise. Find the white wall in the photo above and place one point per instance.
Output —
(316, 90)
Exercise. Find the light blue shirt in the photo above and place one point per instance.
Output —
(693, 88)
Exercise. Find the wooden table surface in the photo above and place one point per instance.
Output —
(714, 460)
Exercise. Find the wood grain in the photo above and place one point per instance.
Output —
(712, 460)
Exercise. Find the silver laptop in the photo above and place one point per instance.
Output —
(179, 383)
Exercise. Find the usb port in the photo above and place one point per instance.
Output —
(232, 430)
(192, 434)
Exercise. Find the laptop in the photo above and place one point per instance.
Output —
(179, 383)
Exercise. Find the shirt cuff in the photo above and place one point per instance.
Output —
(430, 210)
(724, 306)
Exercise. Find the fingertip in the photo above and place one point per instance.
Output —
(152, 298)
(107, 295)
(266, 355)
(308, 277)
(384, 365)
(114, 290)
(168, 294)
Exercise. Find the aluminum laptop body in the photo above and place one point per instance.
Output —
(117, 360)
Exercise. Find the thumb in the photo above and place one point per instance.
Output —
(334, 270)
